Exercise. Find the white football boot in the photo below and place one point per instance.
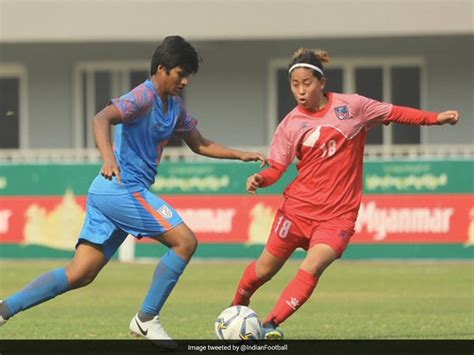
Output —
(152, 330)
(2, 320)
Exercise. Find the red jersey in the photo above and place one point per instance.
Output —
(329, 145)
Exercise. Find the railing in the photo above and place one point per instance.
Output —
(184, 153)
(420, 151)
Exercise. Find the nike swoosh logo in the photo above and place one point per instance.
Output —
(144, 332)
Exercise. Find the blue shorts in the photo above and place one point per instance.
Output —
(111, 217)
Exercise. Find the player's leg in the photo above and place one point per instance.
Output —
(285, 237)
(327, 244)
(298, 291)
(159, 221)
(98, 241)
(87, 262)
(182, 244)
(255, 275)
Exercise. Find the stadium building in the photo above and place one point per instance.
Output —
(62, 60)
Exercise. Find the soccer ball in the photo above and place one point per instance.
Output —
(238, 323)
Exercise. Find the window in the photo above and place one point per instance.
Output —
(9, 113)
(100, 82)
(13, 122)
(369, 82)
(137, 77)
(335, 79)
(395, 80)
(405, 87)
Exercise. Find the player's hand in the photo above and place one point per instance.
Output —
(254, 156)
(110, 169)
(253, 182)
(451, 117)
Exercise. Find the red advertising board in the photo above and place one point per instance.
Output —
(439, 218)
(415, 219)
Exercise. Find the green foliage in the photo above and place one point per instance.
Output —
(354, 300)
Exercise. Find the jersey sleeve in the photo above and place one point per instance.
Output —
(411, 116)
(272, 174)
(185, 123)
(282, 149)
(281, 155)
(134, 104)
(373, 112)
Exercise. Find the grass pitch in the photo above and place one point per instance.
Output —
(353, 300)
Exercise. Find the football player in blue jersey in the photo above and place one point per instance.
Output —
(119, 201)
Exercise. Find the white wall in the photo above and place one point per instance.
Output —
(118, 20)
(243, 67)
(229, 94)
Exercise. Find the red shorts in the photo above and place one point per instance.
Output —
(290, 232)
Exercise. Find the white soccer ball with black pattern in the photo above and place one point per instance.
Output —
(238, 323)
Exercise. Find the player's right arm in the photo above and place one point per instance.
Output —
(266, 177)
(101, 124)
(282, 154)
(126, 110)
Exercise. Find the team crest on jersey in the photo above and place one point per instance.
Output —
(342, 112)
(165, 212)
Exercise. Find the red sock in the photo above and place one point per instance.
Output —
(293, 297)
(249, 283)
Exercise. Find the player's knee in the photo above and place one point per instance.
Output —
(188, 245)
(265, 277)
(317, 269)
(265, 273)
(192, 245)
(80, 278)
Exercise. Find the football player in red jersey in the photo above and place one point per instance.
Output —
(326, 132)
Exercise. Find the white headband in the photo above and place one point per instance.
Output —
(305, 65)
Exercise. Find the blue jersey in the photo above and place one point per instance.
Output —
(142, 136)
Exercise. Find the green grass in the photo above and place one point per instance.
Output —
(354, 300)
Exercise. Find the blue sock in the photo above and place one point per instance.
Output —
(43, 288)
(165, 277)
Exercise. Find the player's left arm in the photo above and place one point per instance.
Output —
(203, 146)
(412, 116)
(451, 117)
(375, 112)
